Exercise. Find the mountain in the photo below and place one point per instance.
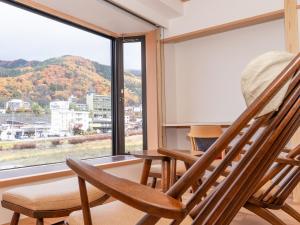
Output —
(59, 78)
(137, 73)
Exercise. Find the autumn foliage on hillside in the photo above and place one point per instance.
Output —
(40, 82)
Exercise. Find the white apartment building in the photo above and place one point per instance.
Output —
(63, 120)
(17, 104)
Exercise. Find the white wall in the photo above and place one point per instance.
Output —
(131, 172)
(200, 14)
(205, 84)
(202, 76)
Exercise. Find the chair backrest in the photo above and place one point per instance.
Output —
(280, 180)
(203, 136)
(272, 132)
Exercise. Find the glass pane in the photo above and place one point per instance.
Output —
(133, 110)
(55, 91)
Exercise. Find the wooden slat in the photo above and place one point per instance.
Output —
(67, 17)
(266, 17)
(291, 26)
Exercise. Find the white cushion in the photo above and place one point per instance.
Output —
(116, 213)
(259, 73)
(62, 194)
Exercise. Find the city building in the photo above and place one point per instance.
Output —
(63, 119)
(76, 104)
(17, 105)
(99, 105)
(59, 105)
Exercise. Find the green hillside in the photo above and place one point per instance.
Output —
(59, 78)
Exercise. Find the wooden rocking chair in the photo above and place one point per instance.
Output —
(142, 205)
(276, 187)
(272, 192)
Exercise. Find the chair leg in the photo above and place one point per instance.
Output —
(39, 221)
(15, 219)
(153, 184)
(265, 214)
(291, 211)
(59, 223)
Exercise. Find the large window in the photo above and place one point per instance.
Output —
(55, 90)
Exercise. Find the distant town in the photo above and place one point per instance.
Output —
(20, 119)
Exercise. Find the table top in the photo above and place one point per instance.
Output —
(153, 154)
(188, 125)
(148, 154)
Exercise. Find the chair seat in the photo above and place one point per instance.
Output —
(180, 168)
(116, 213)
(57, 195)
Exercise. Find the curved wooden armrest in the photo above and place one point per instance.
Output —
(136, 195)
(286, 150)
(178, 155)
(188, 158)
(290, 161)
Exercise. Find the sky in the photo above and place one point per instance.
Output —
(25, 35)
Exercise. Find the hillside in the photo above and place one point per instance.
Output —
(59, 78)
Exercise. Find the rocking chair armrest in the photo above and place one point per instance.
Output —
(287, 160)
(136, 195)
(187, 158)
(286, 150)
(178, 155)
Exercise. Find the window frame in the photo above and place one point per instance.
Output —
(119, 103)
(116, 71)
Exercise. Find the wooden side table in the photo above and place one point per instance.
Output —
(148, 156)
(168, 168)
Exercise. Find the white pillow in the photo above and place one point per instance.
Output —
(259, 73)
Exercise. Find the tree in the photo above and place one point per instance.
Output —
(77, 129)
(73, 106)
(37, 109)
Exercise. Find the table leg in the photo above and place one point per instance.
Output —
(173, 172)
(165, 174)
(146, 171)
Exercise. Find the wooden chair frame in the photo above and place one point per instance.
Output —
(285, 175)
(220, 206)
(285, 170)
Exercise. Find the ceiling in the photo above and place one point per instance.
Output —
(107, 16)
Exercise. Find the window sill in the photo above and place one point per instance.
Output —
(25, 175)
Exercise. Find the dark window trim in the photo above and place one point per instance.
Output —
(123, 40)
(118, 117)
